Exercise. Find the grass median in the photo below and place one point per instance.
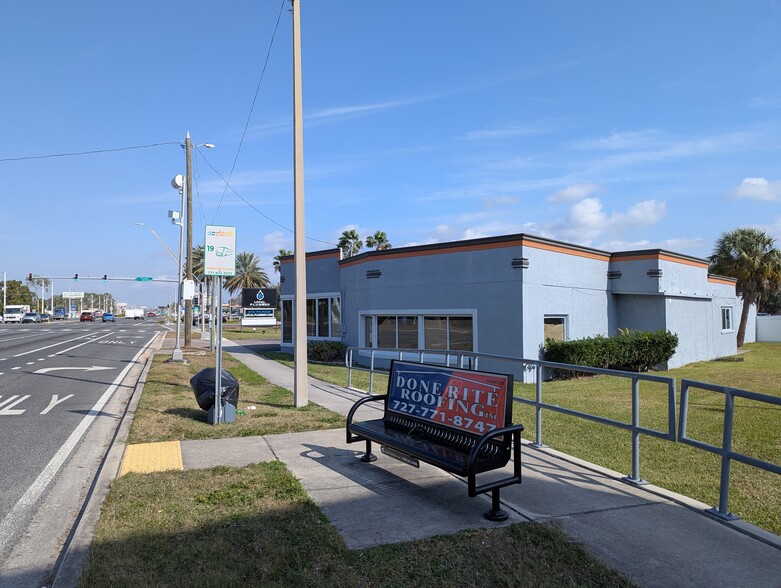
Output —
(256, 525)
(755, 495)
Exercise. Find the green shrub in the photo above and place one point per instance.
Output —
(329, 351)
(632, 351)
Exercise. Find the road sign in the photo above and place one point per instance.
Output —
(220, 251)
(73, 295)
(144, 279)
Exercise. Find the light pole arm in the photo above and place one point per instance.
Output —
(168, 250)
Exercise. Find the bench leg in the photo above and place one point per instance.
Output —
(496, 513)
(368, 456)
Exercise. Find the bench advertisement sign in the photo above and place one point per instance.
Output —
(471, 401)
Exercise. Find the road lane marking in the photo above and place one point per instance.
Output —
(94, 368)
(11, 402)
(37, 488)
(54, 402)
(49, 346)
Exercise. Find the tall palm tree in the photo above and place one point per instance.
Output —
(748, 255)
(198, 261)
(282, 253)
(249, 274)
(350, 243)
(379, 241)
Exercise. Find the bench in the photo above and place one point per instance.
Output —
(457, 420)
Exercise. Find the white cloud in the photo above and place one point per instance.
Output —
(503, 133)
(758, 189)
(627, 140)
(586, 220)
(573, 192)
(678, 244)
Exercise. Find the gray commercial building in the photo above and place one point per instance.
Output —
(506, 295)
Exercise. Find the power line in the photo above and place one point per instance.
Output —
(248, 203)
(252, 108)
(91, 152)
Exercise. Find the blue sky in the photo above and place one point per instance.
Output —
(617, 125)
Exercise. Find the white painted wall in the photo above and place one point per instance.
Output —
(769, 328)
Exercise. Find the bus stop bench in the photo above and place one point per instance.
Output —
(457, 420)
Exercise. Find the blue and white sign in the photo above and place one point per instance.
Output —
(220, 251)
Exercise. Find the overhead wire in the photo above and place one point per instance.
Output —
(91, 152)
(252, 108)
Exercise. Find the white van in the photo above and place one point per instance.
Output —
(14, 312)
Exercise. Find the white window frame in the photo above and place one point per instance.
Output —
(730, 315)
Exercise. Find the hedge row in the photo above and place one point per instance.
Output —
(632, 351)
(328, 351)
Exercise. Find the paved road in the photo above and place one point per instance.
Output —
(55, 382)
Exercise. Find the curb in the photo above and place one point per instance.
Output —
(67, 570)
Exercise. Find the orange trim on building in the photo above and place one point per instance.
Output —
(313, 255)
(720, 280)
(479, 247)
(661, 257)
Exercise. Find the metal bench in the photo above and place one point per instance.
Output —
(457, 420)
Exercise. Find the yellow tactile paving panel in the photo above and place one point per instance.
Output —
(145, 458)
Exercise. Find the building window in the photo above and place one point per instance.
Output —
(323, 318)
(287, 321)
(726, 319)
(455, 333)
(555, 328)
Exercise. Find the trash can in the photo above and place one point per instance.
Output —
(203, 384)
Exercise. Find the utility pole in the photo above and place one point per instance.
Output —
(188, 304)
(300, 382)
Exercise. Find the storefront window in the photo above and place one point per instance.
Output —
(311, 308)
(408, 332)
(386, 332)
(287, 321)
(322, 317)
(336, 318)
(435, 332)
(461, 333)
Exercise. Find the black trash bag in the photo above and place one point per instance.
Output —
(202, 384)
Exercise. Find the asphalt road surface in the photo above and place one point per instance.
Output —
(59, 384)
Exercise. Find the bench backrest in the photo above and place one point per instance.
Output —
(470, 402)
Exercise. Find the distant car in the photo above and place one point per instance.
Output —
(46, 318)
(109, 316)
(150, 314)
(86, 316)
(31, 317)
(59, 315)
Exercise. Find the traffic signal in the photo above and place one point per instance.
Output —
(105, 277)
(75, 277)
(30, 277)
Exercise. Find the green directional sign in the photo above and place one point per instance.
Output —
(144, 279)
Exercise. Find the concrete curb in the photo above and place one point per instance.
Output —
(74, 554)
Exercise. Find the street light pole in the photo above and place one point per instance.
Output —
(176, 218)
(188, 304)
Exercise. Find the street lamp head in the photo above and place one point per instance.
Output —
(139, 224)
(177, 182)
(208, 145)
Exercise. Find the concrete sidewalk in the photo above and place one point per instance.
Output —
(654, 537)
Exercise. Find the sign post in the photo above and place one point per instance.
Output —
(219, 261)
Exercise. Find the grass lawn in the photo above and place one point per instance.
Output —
(755, 495)
(255, 526)
(168, 411)
(235, 332)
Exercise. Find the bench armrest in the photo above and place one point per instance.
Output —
(515, 431)
(355, 407)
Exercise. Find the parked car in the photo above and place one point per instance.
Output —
(46, 318)
(31, 317)
(109, 316)
(86, 316)
(150, 314)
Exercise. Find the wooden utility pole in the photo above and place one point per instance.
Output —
(188, 271)
(300, 383)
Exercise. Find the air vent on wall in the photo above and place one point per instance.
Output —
(520, 262)
(613, 274)
(373, 274)
(654, 273)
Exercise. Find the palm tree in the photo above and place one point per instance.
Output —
(249, 274)
(749, 256)
(282, 253)
(350, 243)
(379, 241)
(198, 261)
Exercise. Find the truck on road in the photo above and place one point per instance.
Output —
(134, 313)
(13, 313)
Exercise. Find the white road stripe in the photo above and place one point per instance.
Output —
(36, 490)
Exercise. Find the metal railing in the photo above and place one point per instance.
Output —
(470, 360)
(725, 451)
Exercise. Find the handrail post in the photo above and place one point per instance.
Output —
(635, 478)
(371, 373)
(538, 408)
(726, 462)
(349, 360)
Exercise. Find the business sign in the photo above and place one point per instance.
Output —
(220, 251)
(259, 297)
(477, 402)
(73, 295)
